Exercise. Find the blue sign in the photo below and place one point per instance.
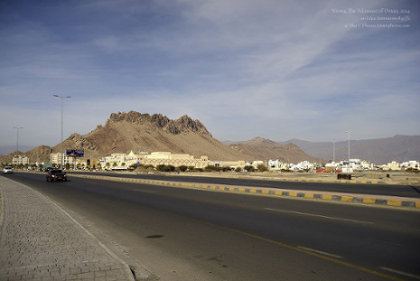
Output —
(75, 153)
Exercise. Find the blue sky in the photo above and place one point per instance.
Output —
(244, 68)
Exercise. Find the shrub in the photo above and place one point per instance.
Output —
(211, 168)
(165, 168)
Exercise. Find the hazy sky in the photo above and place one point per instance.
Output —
(244, 68)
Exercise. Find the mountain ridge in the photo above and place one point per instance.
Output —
(266, 149)
(399, 148)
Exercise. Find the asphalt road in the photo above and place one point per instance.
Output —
(377, 189)
(181, 234)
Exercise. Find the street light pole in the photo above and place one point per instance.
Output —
(348, 144)
(61, 145)
(17, 138)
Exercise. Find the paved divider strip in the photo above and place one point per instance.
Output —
(273, 192)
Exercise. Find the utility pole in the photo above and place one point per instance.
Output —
(61, 144)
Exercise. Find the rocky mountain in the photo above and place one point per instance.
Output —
(265, 149)
(124, 132)
(380, 151)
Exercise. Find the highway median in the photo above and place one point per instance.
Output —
(338, 197)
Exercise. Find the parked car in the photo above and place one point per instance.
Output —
(56, 175)
(8, 170)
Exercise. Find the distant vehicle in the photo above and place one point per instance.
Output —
(48, 169)
(56, 175)
(8, 170)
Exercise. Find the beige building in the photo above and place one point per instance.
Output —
(228, 164)
(176, 160)
(393, 166)
(20, 160)
(121, 160)
(55, 158)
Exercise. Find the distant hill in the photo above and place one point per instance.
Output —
(37, 154)
(265, 149)
(380, 151)
(6, 149)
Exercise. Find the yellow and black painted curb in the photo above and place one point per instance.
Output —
(270, 192)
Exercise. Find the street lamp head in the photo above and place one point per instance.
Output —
(62, 97)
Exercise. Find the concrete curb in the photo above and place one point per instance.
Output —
(390, 201)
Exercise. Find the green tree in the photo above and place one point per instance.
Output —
(262, 168)
(249, 168)
(182, 168)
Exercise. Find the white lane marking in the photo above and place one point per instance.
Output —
(318, 216)
(401, 272)
(320, 252)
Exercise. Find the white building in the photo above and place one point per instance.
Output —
(277, 165)
(412, 164)
(304, 165)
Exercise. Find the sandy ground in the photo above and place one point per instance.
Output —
(404, 178)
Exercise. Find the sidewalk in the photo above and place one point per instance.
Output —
(40, 241)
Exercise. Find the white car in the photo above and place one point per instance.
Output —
(8, 170)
